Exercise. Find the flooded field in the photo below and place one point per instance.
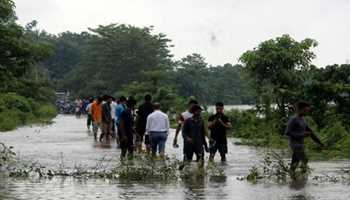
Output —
(66, 143)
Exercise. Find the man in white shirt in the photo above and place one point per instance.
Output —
(113, 108)
(89, 114)
(157, 127)
(182, 118)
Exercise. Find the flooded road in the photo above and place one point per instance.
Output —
(66, 143)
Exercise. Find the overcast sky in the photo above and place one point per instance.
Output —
(220, 30)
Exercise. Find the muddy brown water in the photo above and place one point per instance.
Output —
(67, 143)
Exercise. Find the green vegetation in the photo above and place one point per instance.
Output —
(141, 168)
(274, 168)
(25, 93)
(122, 59)
(282, 74)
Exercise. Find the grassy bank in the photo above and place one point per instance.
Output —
(16, 110)
(257, 131)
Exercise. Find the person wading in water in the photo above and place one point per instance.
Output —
(142, 113)
(182, 118)
(89, 114)
(194, 133)
(218, 125)
(126, 130)
(297, 130)
(118, 113)
(157, 128)
(107, 121)
(96, 111)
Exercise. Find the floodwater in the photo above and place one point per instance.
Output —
(211, 108)
(67, 143)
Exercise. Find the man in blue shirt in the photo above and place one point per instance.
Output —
(118, 113)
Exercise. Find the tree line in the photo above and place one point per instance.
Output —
(123, 59)
(120, 59)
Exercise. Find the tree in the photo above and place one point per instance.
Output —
(190, 77)
(18, 53)
(67, 54)
(23, 95)
(153, 84)
(116, 55)
(327, 88)
(275, 66)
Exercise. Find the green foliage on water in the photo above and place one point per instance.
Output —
(253, 129)
(142, 168)
(274, 167)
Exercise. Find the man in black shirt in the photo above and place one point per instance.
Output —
(107, 121)
(218, 124)
(194, 133)
(127, 130)
(143, 111)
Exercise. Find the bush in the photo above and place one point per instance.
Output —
(344, 146)
(10, 119)
(10, 101)
(333, 133)
(16, 110)
(255, 129)
(46, 111)
(258, 131)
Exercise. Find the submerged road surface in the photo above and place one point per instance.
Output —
(66, 143)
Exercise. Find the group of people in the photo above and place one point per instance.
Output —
(80, 106)
(149, 127)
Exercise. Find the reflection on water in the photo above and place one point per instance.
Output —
(67, 140)
(201, 188)
(298, 184)
(194, 185)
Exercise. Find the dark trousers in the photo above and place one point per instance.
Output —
(158, 140)
(215, 146)
(298, 156)
(126, 144)
(89, 120)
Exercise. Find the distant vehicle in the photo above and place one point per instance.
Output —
(64, 104)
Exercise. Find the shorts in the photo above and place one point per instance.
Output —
(191, 149)
(215, 146)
